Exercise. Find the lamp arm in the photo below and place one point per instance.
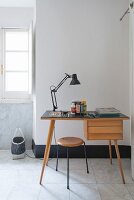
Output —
(54, 101)
(54, 90)
(62, 81)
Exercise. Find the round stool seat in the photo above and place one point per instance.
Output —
(70, 141)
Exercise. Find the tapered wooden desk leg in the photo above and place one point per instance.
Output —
(47, 150)
(48, 154)
(110, 152)
(119, 160)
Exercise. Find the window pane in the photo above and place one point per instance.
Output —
(16, 40)
(16, 81)
(16, 61)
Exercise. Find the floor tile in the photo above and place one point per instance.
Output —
(8, 177)
(62, 164)
(84, 192)
(7, 162)
(28, 176)
(75, 176)
(79, 164)
(114, 192)
(107, 176)
(126, 163)
(54, 192)
(107, 173)
(53, 176)
(78, 172)
(81, 176)
(104, 163)
(130, 188)
(110, 176)
(24, 192)
(5, 191)
(100, 163)
(74, 164)
(128, 176)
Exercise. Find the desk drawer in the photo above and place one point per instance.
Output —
(107, 129)
(104, 123)
(103, 130)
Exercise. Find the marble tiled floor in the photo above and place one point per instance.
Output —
(19, 180)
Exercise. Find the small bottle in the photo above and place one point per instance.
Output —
(78, 107)
(73, 108)
(84, 106)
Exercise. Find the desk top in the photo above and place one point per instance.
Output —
(91, 115)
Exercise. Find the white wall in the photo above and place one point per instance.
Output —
(15, 17)
(17, 3)
(87, 38)
(131, 47)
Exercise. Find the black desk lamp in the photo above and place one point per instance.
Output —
(54, 89)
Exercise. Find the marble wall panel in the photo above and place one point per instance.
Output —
(14, 115)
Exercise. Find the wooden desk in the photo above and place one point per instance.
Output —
(97, 128)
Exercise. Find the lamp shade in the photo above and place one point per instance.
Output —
(74, 80)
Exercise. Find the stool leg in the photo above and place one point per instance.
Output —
(86, 157)
(110, 152)
(57, 157)
(67, 169)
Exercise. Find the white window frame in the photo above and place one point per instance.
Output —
(16, 94)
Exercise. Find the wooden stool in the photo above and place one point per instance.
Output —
(70, 142)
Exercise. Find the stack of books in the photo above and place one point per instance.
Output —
(107, 112)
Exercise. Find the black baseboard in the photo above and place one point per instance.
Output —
(93, 151)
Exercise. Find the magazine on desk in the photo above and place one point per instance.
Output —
(107, 112)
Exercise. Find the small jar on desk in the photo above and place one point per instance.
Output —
(78, 107)
(73, 108)
(83, 107)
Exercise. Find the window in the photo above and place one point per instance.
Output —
(15, 60)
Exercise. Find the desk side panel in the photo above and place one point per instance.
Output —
(86, 129)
